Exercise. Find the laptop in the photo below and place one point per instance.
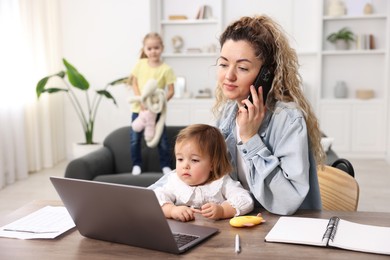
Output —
(126, 214)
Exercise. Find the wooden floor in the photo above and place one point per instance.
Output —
(373, 177)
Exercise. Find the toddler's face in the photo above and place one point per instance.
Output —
(192, 166)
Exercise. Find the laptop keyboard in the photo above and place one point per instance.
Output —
(183, 239)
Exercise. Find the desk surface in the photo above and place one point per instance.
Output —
(72, 245)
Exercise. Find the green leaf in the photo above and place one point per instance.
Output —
(42, 83)
(343, 34)
(41, 86)
(107, 95)
(54, 90)
(118, 81)
(75, 78)
(61, 74)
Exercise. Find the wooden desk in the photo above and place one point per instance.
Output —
(74, 246)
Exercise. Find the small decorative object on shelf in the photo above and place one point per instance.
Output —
(180, 87)
(194, 50)
(211, 48)
(368, 9)
(342, 38)
(177, 43)
(340, 90)
(364, 93)
(204, 93)
(336, 8)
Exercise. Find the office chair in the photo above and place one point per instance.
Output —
(345, 165)
(339, 190)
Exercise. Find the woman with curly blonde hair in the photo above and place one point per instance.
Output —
(274, 146)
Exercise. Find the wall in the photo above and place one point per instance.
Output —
(102, 39)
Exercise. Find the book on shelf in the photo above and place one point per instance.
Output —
(333, 232)
(204, 12)
(177, 17)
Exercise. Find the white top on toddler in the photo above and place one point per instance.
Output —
(177, 192)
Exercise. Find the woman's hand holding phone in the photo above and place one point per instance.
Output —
(249, 119)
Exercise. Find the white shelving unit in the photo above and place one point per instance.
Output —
(200, 34)
(358, 126)
(183, 112)
(198, 68)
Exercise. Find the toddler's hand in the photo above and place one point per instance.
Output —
(212, 211)
(182, 213)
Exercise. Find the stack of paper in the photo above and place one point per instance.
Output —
(46, 223)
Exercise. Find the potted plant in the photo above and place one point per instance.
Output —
(86, 112)
(342, 38)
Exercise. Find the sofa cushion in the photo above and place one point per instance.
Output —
(119, 143)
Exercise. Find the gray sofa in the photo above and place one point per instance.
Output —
(112, 163)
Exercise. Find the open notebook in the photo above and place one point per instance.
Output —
(334, 232)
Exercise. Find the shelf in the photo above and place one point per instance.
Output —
(349, 101)
(192, 55)
(307, 53)
(189, 21)
(191, 100)
(353, 52)
(354, 17)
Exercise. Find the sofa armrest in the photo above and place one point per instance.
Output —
(91, 165)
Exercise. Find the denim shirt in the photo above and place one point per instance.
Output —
(282, 169)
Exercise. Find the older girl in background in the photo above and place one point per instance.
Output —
(150, 66)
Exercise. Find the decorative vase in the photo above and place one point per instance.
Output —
(340, 90)
(336, 8)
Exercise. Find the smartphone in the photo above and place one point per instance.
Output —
(263, 79)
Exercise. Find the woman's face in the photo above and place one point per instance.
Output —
(237, 69)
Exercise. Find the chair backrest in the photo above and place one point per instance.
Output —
(345, 165)
(339, 190)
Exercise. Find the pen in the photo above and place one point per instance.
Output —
(237, 247)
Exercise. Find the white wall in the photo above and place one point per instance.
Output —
(102, 39)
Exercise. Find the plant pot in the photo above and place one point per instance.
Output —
(79, 150)
(341, 45)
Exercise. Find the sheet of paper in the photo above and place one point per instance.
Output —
(359, 237)
(309, 231)
(45, 223)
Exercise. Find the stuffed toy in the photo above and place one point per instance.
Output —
(146, 121)
(153, 98)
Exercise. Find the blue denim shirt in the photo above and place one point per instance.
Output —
(282, 170)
